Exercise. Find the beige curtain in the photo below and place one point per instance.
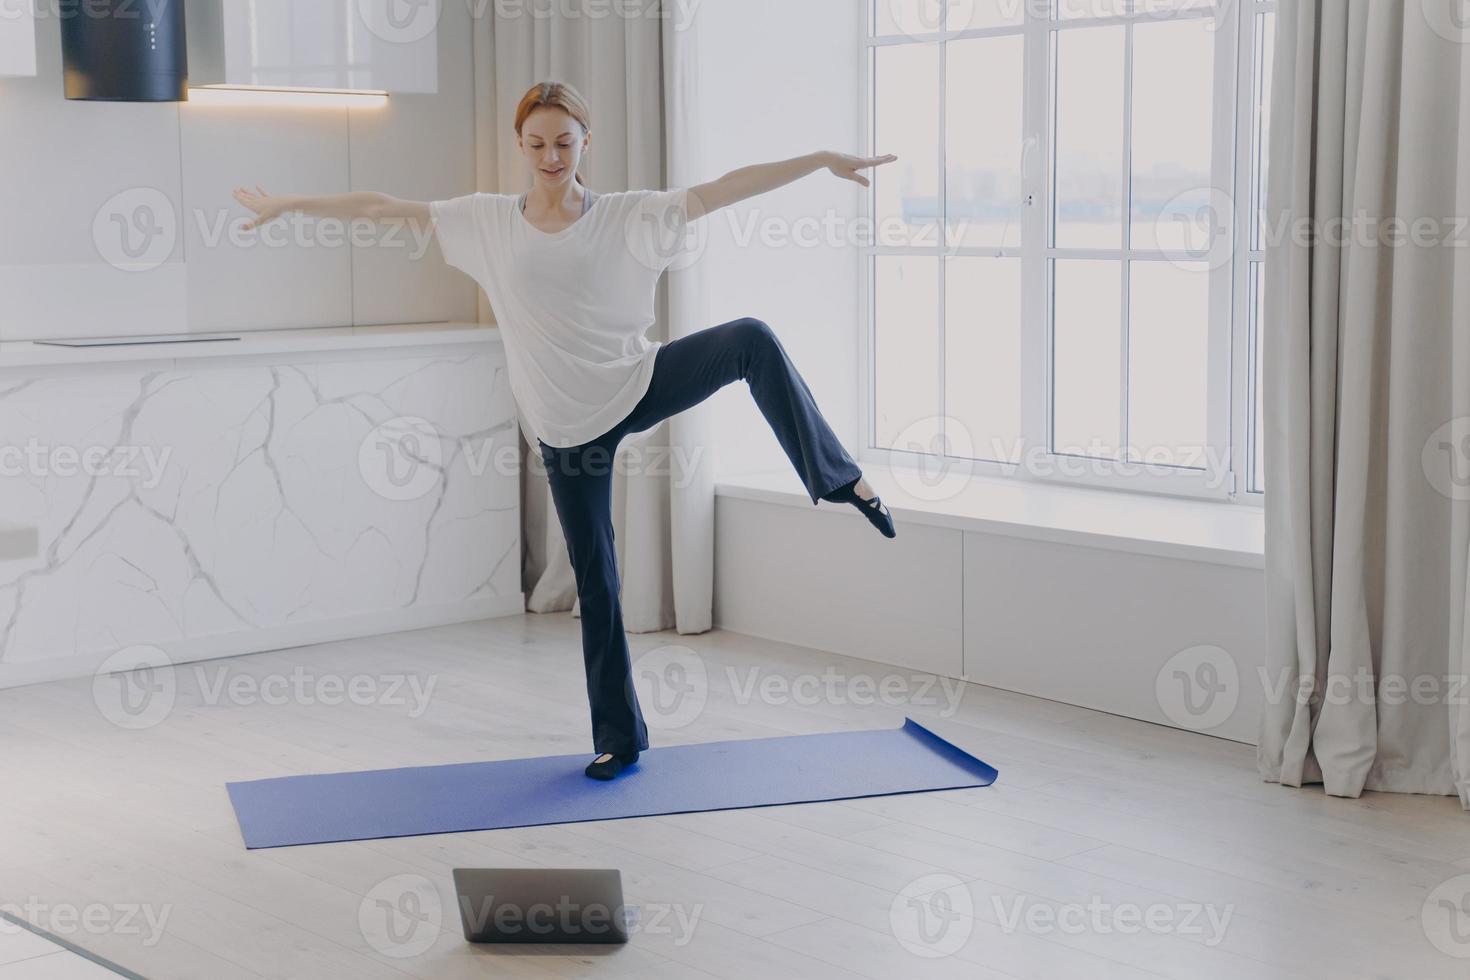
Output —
(1367, 392)
(637, 73)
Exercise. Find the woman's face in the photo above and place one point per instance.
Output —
(553, 143)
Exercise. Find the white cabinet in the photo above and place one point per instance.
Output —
(224, 498)
(388, 45)
(17, 38)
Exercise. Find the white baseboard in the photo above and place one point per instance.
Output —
(219, 645)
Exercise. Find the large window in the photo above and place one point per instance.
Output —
(1065, 275)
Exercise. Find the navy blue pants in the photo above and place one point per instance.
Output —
(686, 372)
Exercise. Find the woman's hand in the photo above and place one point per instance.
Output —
(847, 167)
(266, 208)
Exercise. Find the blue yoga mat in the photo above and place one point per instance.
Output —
(443, 799)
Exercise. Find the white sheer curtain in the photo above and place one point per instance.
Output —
(638, 74)
(1367, 391)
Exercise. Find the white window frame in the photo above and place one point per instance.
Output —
(1230, 400)
(1247, 257)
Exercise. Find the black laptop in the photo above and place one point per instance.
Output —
(541, 905)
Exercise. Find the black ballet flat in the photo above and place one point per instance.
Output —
(611, 767)
(872, 508)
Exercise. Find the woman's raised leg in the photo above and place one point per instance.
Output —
(692, 368)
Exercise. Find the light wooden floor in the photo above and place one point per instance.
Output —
(1091, 815)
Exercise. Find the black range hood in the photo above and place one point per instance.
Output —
(124, 50)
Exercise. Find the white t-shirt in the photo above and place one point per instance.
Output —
(572, 305)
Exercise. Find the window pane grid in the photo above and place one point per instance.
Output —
(1131, 256)
(1089, 63)
(1258, 117)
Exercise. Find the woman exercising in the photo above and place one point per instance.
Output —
(571, 277)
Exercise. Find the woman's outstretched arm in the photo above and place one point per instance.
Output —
(737, 185)
(359, 204)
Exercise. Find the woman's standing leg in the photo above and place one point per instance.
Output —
(581, 487)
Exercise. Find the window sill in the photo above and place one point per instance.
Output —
(1146, 524)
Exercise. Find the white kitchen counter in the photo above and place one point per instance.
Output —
(25, 353)
(224, 497)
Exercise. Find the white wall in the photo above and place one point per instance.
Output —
(62, 162)
(779, 80)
